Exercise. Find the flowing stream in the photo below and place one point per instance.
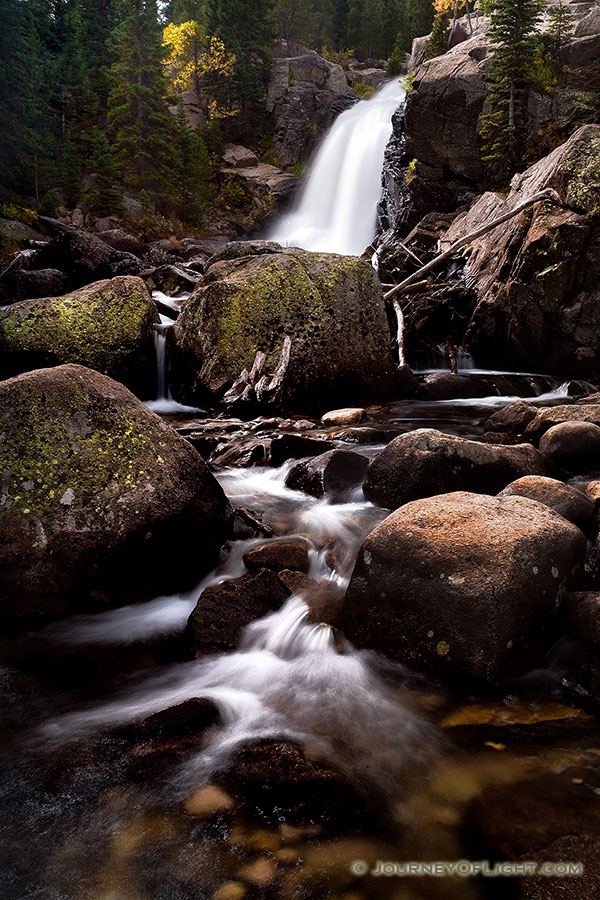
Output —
(337, 209)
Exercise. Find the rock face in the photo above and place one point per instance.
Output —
(96, 492)
(534, 278)
(449, 584)
(426, 462)
(306, 94)
(330, 306)
(106, 326)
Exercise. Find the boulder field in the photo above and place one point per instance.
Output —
(97, 493)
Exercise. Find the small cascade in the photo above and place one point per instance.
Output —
(160, 345)
(337, 211)
(163, 402)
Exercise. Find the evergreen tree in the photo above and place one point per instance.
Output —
(104, 198)
(561, 24)
(513, 33)
(140, 126)
(438, 42)
(194, 174)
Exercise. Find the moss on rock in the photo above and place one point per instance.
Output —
(106, 326)
(331, 307)
(95, 491)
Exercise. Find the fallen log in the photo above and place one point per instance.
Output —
(546, 194)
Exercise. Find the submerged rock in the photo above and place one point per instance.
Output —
(277, 555)
(452, 583)
(97, 491)
(330, 306)
(427, 462)
(106, 326)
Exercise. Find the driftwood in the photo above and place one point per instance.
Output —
(547, 194)
(252, 387)
(400, 333)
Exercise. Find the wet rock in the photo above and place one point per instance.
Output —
(556, 415)
(241, 454)
(97, 492)
(297, 582)
(259, 873)
(331, 308)
(85, 258)
(568, 501)
(445, 386)
(325, 601)
(249, 525)
(342, 417)
(277, 778)
(362, 435)
(26, 284)
(285, 553)
(573, 445)
(452, 583)
(553, 818)
(187, 718)
(333, 474)
(223, 610)
(513, 418)
(106, 326)
(426, 462)
(231, 890)
(582, 615)
(296, 446)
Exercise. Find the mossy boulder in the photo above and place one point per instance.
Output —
(331, 307)
(101, 502)
(106, 326)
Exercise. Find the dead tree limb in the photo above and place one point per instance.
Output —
(400, 333)
(546, 194)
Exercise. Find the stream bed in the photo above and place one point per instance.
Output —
(91, 813)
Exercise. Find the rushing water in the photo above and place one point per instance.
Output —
(337, 209)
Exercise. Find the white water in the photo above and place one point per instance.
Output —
(337, 211)
(164, 403)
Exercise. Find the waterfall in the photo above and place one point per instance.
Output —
(160, 345)
(337, 210)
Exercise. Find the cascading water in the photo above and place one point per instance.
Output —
(337, 211)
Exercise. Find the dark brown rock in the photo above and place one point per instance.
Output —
(426, 462)
(187, 719)
(333, 474)
(573, 445)
(223, 610)
(582, 615)
(97, 492)
(514, 418)
(127, 243)
(26, 284)
(297, 446)
(284, 553)
(363, 434)
(85, 258)
(445, 386)
(451, 583)
(556, 415)
(568, 501)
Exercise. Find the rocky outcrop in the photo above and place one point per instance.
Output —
(331, 308)
(453, 583)
(96, 492)
(427, 462)
(106, 326)
(305, 95)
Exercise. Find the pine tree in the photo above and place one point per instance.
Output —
(104, 198)
(438, 42)
(141, 128)
(194, 174)
(561, 24)
(513, 33)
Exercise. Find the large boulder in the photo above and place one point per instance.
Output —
(547, 418)
(106, 326)
(573, 445)
(24, 284)
(85, 258)
(452, 583)
(426, 462)
(97, 492)
(334, 475)
(330, 306)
